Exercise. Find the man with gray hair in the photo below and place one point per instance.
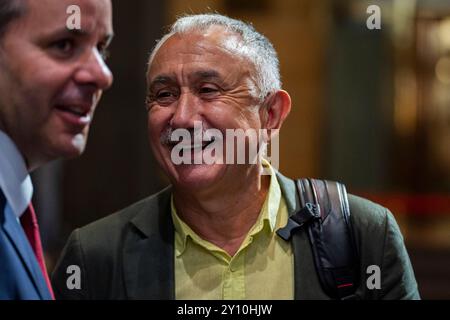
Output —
(51, 79)
(218, 231)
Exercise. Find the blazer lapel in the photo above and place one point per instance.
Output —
(289, 192)
(20, 242)
(148, 252)
(307, 284)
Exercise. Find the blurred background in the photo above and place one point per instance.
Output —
(371, 108)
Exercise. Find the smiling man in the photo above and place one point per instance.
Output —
(51, 79)
(214, 233)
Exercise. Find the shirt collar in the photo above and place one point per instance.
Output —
(273, 197)
(15, 181)
(268, 214)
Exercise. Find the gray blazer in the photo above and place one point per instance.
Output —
(129, 254)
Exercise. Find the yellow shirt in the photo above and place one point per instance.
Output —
(262, 268)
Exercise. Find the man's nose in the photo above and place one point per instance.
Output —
(187, 111)
(94, 71)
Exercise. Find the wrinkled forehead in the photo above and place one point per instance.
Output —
(215, 40)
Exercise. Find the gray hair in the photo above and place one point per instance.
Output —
(253, 46)
(9, 11)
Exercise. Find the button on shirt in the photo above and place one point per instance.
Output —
(262, 268)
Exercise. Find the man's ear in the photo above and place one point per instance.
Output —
(275, 110)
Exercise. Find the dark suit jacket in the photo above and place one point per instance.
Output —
(20, 275)
(129, 255)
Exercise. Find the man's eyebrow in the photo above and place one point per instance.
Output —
(80, 33)
(165, 79)
(66, 32)
(207, 74)
(161, 79)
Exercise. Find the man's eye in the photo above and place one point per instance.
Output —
(164, 94)
(64, 46)
(165, 97)
(208, 90)
(103, 50)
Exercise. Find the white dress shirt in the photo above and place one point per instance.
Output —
(15, 181)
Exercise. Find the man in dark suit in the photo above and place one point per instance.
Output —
(212, 234)
(52, 75)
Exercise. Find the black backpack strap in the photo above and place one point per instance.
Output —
(326, 214)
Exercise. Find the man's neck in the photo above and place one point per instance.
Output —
(14, 178)
(224, 218)
(18, 146)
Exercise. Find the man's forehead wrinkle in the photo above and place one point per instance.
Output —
(227, 44)
(214, 37)
(205, 73)
(190, 55)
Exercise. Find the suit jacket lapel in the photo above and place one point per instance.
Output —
(148, 252)
(307, 284)
(20, 242)
(288, 190)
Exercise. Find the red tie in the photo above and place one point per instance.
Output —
(31, 228)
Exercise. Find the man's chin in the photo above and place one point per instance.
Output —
(71, 147)
(198, 177)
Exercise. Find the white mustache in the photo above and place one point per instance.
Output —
(167, 137)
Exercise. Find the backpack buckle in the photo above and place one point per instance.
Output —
(308, 212)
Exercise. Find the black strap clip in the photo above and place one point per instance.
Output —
(308, 212)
